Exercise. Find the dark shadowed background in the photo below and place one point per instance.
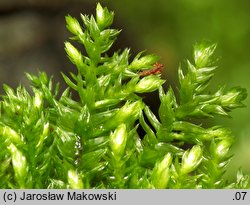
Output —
(32, 35)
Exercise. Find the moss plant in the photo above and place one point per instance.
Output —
(54, 141)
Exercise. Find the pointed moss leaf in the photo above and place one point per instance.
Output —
(19, 163)
(203, 53)
(75, 56)
(118, 141)
(75, 180)
(128, 113)
(148, 84)
(191, 159)
(167, 109)
(103, 16)
(69, 82)
(144, 62)
(73, 25)
(152, 118)
(161, 172)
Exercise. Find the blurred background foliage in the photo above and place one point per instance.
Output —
(32, 33)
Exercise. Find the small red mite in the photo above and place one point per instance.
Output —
(157, 69)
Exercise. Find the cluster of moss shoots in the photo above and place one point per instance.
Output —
(51, 140)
